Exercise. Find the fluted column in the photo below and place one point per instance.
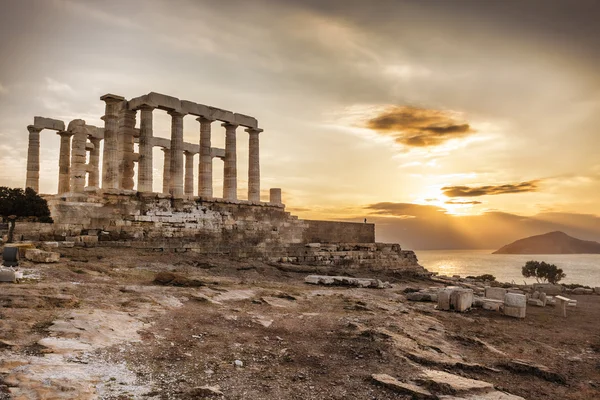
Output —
(253, 165)
(64, 162)
(176, 182)
(33, 159)
(126, 151)
(275, 196)
(145, 170)
(205, 160)
(110, 159)
(78, 156)
(230, 171)
(188, 186)
(94, 172)
(166, 170)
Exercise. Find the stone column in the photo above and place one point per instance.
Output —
(166, 170)
(253, 165)
(230, 172)
(176, 181)
(188, 186)
(110, 159)
(33, 159)
(64, 162)
(126, 154)
(94, 172)
(145, 161)
(78, 155)
(275, 196)
(205, 161)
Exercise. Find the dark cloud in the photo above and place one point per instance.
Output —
(462, 202)
(419, 127)
(466, 191)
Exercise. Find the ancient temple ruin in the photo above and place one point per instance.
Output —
(88, 211)
(119, 134)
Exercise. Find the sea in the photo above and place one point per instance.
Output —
(583, 269)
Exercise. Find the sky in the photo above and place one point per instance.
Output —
(450, 124)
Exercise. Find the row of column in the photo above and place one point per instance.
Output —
(180, 183)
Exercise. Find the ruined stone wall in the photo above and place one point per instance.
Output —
(338, 232)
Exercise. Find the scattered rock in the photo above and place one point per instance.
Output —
(41, 256)
(540, 371)
(204, 391)
(238, 363)
(450, 383)
(173, 279)
(346, 281)
(394, 384)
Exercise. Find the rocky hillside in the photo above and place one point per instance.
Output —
(551, 243)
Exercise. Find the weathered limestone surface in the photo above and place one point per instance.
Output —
(41, 256)
(205, 159)
(188, 187)
(48, 123)
(94, 165)
(495, 293)
(176, 178)
(253, 165)
(145, 173)
(275, 196)
(33, 158)
(126, 152)
(78, 155)
(110, 160)
(64, 162)
(230, 171)
(332, 232)
(166, 170)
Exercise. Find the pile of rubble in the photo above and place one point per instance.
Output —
(13, 253)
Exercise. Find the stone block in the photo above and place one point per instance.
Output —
(461, 299)
(515, 300)
(164, 102)
(516, 291)
(23, 247)
(597, 290)
(41, 256)
(492, 304)
(535, 295)
(535, 302)
(245, 120)
(199, 110)
(548, 288)
(444, 299)
(7, 275)
(516, 312)
(495, 293)
(221, 115)
(543, 298)
(48, 123)
(579, 290)
(217, 153)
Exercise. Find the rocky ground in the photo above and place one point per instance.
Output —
(98, 325)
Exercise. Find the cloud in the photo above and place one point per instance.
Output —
(466, 191)
(419, 127)
(403, 210)
(462, 202)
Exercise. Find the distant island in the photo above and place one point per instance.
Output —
(550, 243)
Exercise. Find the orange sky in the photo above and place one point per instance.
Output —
(462, 108)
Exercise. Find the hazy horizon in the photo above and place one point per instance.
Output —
(462, 124)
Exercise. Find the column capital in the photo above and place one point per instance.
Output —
(205, 120)
(175, 113)
(189, 153)
(64, 133)
(33, 128)
(165, 149)
(254, 130)
(146, 107)
(229, 125)
(112, 98)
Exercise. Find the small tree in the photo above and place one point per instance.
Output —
(542, 272)
(16, 203)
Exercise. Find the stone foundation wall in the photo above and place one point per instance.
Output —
(338, 232)
(214, 226)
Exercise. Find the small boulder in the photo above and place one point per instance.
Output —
(41, 256)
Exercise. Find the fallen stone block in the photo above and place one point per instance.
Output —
(515, 300)
(419, 296)
(395, 385)
(172, 279)
(579, 290)
(7, 275)
(495, 293)
(346, 281)
(548, 288)
(444, 299)
(41, 256)
(535, 302)
(597, 290)
(543, 299)
(461, 299)
(516, 312)
(23, 247)
(205, 391)
(492, 304)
